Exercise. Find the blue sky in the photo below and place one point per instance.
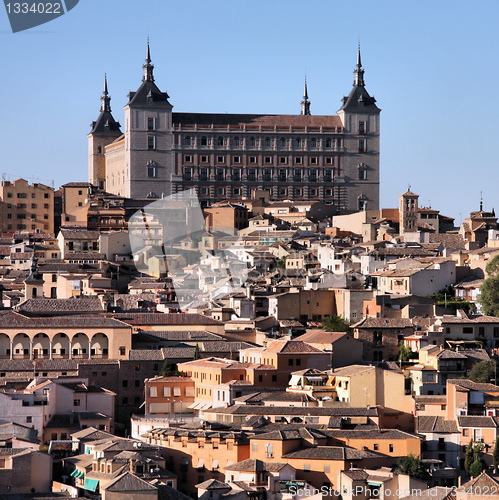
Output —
(431, 65)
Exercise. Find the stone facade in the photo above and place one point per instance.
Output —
(334, 159)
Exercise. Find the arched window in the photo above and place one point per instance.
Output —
(220, 140)
(283, 142)
(236, 141)
(204, 140)
(328, 143)
(252, 141)
(298, 142)
(267, 141)
(313, 142)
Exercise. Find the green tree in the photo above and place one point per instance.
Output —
(413, 467)
(335, 324)
(165, 369)
(280, 263)
(196, 353)
(483, 372)
(495, 455)
(477, 467)
(469, 456)
(405, 353)
(489, 291)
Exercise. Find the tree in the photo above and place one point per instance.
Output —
(280, 263)
(196, 353)
(477, 467)
(469, 456)
(483, 372)
(489, 291)
(165, 369)
(495, 455)
(413, 467)
(335, 324)
(405, 353)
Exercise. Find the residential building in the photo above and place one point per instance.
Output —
(26, 207)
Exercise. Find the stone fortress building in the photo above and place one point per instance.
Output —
(333, 159)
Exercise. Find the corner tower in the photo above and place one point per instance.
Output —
(104, 131)
(360, 161)
(148, 139)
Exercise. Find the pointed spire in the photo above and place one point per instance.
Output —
(358, 72)
(105, 99)
(148, 67)
(305, 104)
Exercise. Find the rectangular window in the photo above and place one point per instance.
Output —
(329, 160)
(362, 146)
(203, 174)
(188, 159)
(362, 127)
(252, 159)
(254, 446)
(283, 160)
(236, 159)
(236, 191)
(268, 159)
(312, 176)
(204, 159)
(151, 171)
(466, 432)
(298, 160)
(467, 329)
(150, 123)
(298, 192)
(362, 174)
(267, 174)
(187, 173)
(220, 191)
(313, 161)
(220, 174)
(153, 392)
(390, 448)
(203, 191)
(297, 175)
(151, 142)
(252, 174)
(236, 174)
(220, 159)
(76, 402)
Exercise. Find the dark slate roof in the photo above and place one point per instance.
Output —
(129, 482)
(15, 320)
(332, 453)
(213, 484)
(79, 234)
(165, 319)
(476, 421)
(78, 304)
(298, 410)
(105, 124)
(148, 94)
(384, 323)
(266, 121)
(481, 484)
(254, 465)
(436, 424)
(473, 386)
(371, 434)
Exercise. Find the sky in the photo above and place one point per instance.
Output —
(431, 65)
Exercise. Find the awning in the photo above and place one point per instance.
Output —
(205, 406)
(74, 473)
(313, 378)
(200, 463)
(214, 464)
(374, 483)
(91, 484)
(193, 406)
(81, 475)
